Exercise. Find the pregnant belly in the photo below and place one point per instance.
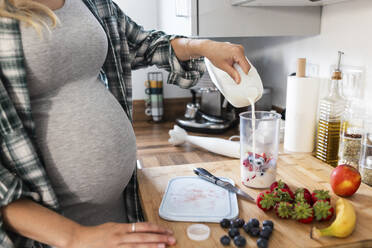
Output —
(87, 143)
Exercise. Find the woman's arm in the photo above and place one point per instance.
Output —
(222, 54)
(44, 225)
(34, 221)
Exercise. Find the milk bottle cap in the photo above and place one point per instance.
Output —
(238, 95)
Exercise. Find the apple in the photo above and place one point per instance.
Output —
(345, 180)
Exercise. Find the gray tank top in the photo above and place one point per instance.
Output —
(85, 137)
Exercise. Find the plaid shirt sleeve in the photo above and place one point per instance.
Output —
(154, 48)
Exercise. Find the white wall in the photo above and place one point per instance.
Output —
(169, 22)
(345, 26)
(145, 13)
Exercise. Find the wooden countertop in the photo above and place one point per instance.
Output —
(301, 170)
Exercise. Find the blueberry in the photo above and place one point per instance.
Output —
(237, 223)
(262, 243)
(265, 233)
(268, 223)
(254, 232)
(225, 223)
(233, 232)
(268, 228)
(247, 227)
(225, 240)
(239, 241)
(253, 223)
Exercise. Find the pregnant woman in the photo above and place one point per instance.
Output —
(67, 147)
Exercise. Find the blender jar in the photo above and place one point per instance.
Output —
(259, 142)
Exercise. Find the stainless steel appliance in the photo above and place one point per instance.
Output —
(209, 112)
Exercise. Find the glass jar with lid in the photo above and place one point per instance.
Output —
(351, 134)
(365, 164)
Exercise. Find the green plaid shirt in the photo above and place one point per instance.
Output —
(22, 172)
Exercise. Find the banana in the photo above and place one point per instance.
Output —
(344, 223)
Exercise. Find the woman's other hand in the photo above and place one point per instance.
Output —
(117, 235)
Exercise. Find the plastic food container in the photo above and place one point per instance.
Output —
(259, 142)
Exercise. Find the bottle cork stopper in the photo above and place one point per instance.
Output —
(337, 75)
(301, 67)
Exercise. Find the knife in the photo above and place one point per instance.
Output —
(206, 175)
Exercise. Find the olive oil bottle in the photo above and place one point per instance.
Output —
(331, 109)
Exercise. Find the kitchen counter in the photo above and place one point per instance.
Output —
(155, 150)
(298, 170)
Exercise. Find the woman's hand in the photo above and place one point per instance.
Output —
(117, 235)
(224, 55)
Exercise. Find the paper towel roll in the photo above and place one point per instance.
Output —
(301, 114)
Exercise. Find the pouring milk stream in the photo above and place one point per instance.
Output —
(240, 95)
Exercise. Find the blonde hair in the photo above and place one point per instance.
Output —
(29, 12)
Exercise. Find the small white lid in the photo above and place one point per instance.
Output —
(198, 232)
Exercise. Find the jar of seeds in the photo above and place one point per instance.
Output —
(365, 165)
(351, 135)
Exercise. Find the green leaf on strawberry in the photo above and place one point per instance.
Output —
(284, 210)
(320, 194)
(303, 212)
(285, 195)
(303, 195)
(323, 210)
(265, 201)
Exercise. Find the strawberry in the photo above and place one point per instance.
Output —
(320, 195)
(303, 195)
(247, 164)
(265, 201)
(323, 210)
(278, 185)
(303, 212)
(284, 210)
(283, 195)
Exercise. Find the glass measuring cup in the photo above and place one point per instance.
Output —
(259, 142)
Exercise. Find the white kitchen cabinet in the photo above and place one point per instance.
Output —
(220, 18)
(249, 3)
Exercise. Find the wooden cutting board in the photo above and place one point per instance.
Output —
(296, 170)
